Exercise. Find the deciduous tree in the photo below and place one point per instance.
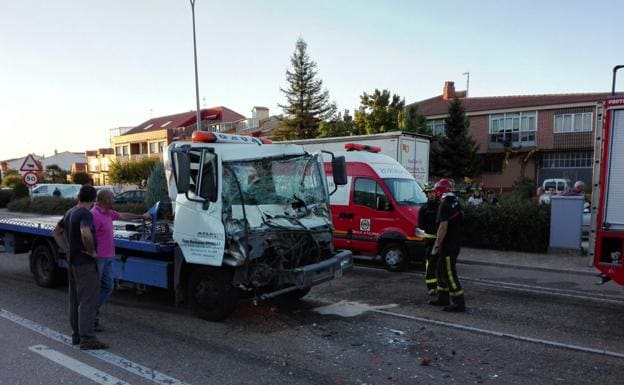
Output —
(379, 112)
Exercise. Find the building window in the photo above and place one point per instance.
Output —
(514, 129)
(118, 150)
(437, 126)
(152, 148)
(492, 162)
(125, 150)
(161, 147)
(579, 122)
(575, 159)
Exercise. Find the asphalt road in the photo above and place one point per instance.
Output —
(522, 327)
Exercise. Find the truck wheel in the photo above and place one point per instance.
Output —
(394, 257)
(43, 266)
(211, 293)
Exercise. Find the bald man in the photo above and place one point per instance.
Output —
(103, 217)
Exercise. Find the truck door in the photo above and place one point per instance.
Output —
(372, 213)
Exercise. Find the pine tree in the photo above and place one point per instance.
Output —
(411, 120)
(307, 103)
(343, 125)
(156, 186)
(454, 155)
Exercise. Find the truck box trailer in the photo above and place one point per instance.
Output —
(409, 149)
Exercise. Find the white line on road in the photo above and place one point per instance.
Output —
(81, 368)
(501, 334)
(113, 359)
(526, 288)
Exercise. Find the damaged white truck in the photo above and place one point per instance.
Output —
(248, 217)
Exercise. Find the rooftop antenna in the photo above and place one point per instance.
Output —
(467, 74)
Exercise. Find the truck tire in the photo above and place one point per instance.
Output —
(43, 266)
(212, 295)
(394, 257)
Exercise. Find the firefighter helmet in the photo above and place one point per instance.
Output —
(443, 186)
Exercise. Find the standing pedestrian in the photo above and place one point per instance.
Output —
(75, 235)
(103, 217)
(427, 217)
(447, 247)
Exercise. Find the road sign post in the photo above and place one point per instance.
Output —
(30, 179)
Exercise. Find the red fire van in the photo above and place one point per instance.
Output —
(376, 213)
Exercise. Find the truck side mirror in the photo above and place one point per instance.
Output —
(339, 170)
(182, 171)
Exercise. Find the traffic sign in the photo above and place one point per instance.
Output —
(30, 178)
(30, 164)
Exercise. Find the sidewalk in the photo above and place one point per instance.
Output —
(575, 264)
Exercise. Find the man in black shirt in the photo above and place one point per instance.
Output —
(427, 221)
(75, 235)
(447, 247)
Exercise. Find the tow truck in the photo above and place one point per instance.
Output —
(249, 217)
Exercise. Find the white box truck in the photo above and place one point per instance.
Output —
(409, 149)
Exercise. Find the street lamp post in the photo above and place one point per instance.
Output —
(198, 116)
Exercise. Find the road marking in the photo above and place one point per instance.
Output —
(504, 335)
(81, 368)
(522, 287)
(113, 359)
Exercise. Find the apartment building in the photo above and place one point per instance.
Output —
(535, 136)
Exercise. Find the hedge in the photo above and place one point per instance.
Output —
(513, 224)
(42, 205)
(5, 197)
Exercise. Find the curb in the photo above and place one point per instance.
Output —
(537, 268)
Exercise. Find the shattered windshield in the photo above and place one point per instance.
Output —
(406, 192)
(273, 181)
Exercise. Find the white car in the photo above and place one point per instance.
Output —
(47, 190)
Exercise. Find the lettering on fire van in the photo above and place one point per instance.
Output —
(376, 213)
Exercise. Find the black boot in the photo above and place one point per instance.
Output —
(443, 299)
(458, 306)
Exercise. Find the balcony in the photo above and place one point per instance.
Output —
(569, 140)
(512, 140)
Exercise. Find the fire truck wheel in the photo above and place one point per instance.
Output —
(43, 266)
(211, 293)
(394, 257)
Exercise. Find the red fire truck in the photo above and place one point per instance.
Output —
(607, 227)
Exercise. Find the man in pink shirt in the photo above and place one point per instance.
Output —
(103, 217)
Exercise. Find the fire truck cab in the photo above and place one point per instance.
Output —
(375, 214)
(607, 227)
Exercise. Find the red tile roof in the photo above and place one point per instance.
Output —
(438, 106)
(185, 119)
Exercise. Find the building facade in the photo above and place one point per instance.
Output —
(150, 138)
(532, 136)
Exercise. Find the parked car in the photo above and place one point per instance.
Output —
(558, 184)
(131, 196)
(48, 189)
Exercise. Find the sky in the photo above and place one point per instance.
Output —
(71, 70)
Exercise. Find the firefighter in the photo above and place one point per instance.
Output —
(446, 248)
(427, 221)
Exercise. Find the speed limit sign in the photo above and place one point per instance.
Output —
(31, 179)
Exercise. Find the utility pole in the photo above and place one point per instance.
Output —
(198, 114)
(467, 74)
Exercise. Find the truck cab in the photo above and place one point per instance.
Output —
(252, 216)
(376, 213)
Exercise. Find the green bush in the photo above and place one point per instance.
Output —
(5, 197)
(134, 208)
(43, 205)
(513, 224)
(12, 180)
(20, 191)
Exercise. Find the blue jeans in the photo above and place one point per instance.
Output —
(105, 267)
